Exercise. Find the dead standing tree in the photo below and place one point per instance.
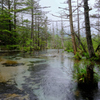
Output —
(88, 31)
(71, 27)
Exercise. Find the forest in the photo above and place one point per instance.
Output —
(20, 33)
(33, 33)
(41, 54)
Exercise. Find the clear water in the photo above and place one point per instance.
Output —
(45, 75)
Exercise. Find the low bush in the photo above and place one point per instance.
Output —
(86, 75)
(77, 56)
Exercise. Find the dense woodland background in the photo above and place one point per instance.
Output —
(20, 32)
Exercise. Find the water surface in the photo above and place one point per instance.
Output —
(45, 75)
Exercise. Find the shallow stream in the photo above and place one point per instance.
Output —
(43, 75)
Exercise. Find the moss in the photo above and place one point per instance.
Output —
(1, 59)
(11, 62)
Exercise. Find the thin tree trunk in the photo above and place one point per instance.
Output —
(78, 20)
(88, 31)
(71, 28)
(53, 41)
(46, 30)
(89, 76)
(56, 39)
(98, 25)
(15, 15)
(9, 15)
(2, 6)
(32, 24)
(38, 33)
(98, 48)
(80, 42)
(62, 34)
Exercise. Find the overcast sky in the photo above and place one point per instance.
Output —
(55, 10)
(55, 4)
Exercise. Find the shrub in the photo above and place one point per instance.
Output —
(86, 55)
(78, 56)
(82, 74)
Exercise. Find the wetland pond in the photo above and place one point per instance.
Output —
(43, 75)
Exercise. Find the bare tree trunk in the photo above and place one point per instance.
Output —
(2, 6)
(38, 33)
(53, 39)
(88, 31)
(71, 28)
(15, 15)
(98, 48)
(46, 31)
(57, 33)
(32, 21)
(9, 15)
(32, 24)
(89, 75)
(80, 42)
(62, 34)
(78, 20)
(98, 25)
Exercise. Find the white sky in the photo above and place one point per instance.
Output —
(55, 10)
(55, 4)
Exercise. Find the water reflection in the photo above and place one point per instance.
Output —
(45, 75)
(48, 81)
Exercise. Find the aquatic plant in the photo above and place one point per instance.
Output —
(86, 75)
(10, 63)
(1, 59)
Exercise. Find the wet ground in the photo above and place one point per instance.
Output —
(45, 75)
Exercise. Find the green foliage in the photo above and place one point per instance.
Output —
(97, 54)
(21, 34)
(7, 36)
(28, 45)
(96, 77)
(26, 49)
(77, 56)
(80, 70)
(95, 58)
(12, 47)
(54, 42)
(86, 55)
(71, 50)
(68, 44)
